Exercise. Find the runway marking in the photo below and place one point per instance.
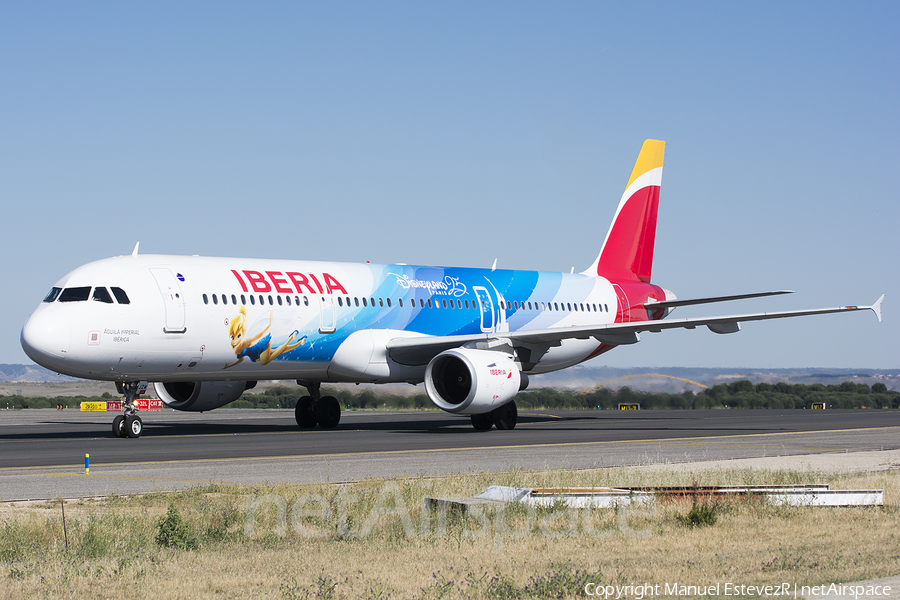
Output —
(96, 476)
(671, 441)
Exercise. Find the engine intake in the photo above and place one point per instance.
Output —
(200, 396)
(471, 382)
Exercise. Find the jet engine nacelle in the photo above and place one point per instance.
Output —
(472, 382)
(200, 396)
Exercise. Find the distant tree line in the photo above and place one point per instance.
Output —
(741, 394)
(744, 394)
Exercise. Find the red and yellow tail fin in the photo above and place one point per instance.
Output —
(627, 252)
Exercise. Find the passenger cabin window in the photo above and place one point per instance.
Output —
(75, 294)
(121, 296)
(53, 295)
(205, 299)
(101, 294)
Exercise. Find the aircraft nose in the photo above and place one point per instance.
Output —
(46, 337)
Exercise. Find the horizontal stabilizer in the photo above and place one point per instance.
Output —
(711, 300)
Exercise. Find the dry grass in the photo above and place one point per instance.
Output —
(113, 553)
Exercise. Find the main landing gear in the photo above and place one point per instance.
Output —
(316, 409)
(504, 417)
(129, 424)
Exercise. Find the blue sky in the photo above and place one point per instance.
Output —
(458, 133)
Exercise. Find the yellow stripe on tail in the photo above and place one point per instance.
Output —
(650, 158)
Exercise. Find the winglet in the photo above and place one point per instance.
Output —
(876, 308)
(134, 252)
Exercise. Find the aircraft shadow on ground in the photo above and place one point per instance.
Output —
(404, 423)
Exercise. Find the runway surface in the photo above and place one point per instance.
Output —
(42, 451)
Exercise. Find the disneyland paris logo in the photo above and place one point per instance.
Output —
(450, 286)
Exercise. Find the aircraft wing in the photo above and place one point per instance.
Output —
(420, 350)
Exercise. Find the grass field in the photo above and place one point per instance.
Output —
(373, 540)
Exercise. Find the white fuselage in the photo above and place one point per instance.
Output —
(329, 321)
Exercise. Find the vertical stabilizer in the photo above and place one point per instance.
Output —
(627, 252)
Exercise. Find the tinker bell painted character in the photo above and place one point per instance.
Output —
(257, 348)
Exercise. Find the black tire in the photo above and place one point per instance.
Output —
(328, 412)
(118, 426)
(304, 414)
(482, 422)
(133, 426)
(506, 416)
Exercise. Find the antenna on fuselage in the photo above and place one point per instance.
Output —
(134, 252)
(494, 266)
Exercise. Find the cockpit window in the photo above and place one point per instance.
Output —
(75, 294)
(121, 296)
(53, 295)
(101, 294)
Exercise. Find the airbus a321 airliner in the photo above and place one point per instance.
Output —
(204, 330)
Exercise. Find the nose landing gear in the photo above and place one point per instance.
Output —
(129, 424)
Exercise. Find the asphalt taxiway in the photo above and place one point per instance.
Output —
(42, 451)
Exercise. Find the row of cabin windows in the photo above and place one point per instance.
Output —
(365, 302)
(557, 306)
(83, 293)
(262, 299)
